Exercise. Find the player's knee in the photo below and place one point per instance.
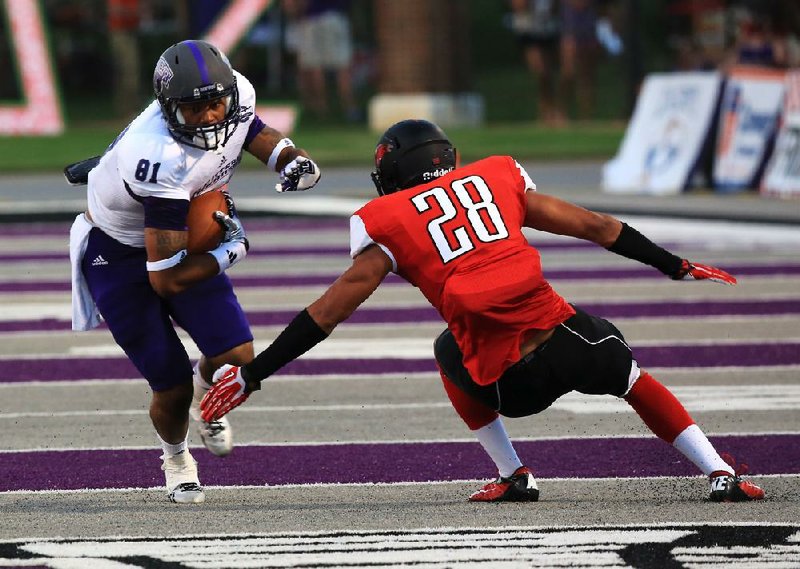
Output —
(172, 402)
(472, 411)
(238, 356)
(177, 395)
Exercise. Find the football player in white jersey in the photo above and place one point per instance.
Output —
(129, 259)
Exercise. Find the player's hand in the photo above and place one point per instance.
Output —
(299, 175)
(700, 272)
(234, 230)
(228, 392)
(229, 203)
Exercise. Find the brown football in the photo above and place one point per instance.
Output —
(205, 232)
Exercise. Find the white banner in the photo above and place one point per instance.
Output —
(749, 113)
(782, 176)
(666, 134)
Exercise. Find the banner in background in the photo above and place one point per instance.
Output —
(782, 175)
(666, 134)
(749, 113)
(41, 112)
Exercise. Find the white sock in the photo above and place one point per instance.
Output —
(695, 446)
(494, 440)
(172, 449)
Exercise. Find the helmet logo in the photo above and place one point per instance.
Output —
(163, 74)
(381, 150)
(437, 173)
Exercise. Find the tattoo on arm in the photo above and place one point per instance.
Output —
(164, 243)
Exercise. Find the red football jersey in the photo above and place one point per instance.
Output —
(459, 240)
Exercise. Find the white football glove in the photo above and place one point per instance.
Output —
(232, 225)
(234, 245)
(299, 175)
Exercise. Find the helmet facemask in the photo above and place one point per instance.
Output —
(205, 136)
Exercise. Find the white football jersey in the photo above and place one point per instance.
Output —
(146, 161)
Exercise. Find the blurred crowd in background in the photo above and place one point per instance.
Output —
(552, 61)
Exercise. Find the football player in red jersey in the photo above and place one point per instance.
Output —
(512, 345)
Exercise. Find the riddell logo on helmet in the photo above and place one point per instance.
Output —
(433, 174)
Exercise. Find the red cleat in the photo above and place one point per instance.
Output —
(726, 487)
(519, 487)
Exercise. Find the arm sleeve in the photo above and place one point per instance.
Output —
(165, 213)
(634, 245)
(256, 126)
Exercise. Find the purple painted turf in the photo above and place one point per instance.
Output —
(604, 274)
(332, 250)
(740, 355)
(387, 462)
(611, 310)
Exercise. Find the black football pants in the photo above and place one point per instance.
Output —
(585, 354)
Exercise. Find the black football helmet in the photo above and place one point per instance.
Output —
(409, 153)
(192, 71)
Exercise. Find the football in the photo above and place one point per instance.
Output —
(205, 232)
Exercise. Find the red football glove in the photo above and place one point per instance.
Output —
(227, 393)
(703, 272)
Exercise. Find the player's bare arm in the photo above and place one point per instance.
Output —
(554, 215)
(164, 244)
(551, 214)
(351, 289)
(297, 171)
(266, 141)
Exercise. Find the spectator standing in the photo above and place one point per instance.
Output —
(123, 25)
(325, 45)
(536, 25)
(579, 53)
(757, 43)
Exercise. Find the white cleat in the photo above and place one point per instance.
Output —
(217, 436)
(183, 485)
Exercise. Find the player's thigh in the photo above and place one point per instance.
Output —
(136, 316)
(238, 356)
(529, 387)
(590, 355)
(212, 316)
(586, 354)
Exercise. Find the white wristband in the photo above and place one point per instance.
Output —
(163, 264)
(273, 158)
(228, 254)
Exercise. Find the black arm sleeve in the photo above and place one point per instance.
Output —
(636, 246)
(297, 338)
